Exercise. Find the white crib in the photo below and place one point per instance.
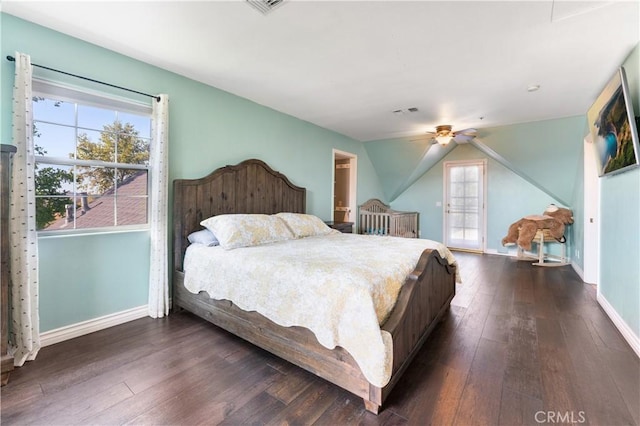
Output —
(377, 218)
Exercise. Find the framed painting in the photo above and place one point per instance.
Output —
(613, 127)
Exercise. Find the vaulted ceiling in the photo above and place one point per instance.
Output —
(348, 65)
(546, 154)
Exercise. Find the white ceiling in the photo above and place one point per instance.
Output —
(346, 65)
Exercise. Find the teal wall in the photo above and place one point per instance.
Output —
(509, 197)
(546, 153)
(84, 277)
(620, 227)
(88, 276)
(530, 166)
(400, 162)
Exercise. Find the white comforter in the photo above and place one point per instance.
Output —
(339, 286)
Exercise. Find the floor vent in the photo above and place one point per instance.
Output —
(265, 6)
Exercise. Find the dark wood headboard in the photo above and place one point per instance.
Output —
(249, 187)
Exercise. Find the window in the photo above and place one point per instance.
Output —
(92, 159)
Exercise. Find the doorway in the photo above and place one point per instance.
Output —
(344, 186)
(464, 212)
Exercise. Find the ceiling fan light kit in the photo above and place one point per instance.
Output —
(443, 140)
(444, 135)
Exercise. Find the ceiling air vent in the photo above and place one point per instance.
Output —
(265, 6)
(402, 111)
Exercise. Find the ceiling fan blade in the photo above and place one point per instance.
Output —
(462, 138)
(466, 132)
(428, 138)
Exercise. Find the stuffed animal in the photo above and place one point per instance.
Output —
(554, 219)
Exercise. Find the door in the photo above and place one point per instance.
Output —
(464, 216)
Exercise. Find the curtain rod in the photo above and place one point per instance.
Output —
(157, 98)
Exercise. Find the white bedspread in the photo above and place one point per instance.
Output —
(290, 282)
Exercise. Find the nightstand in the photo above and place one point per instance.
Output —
(344, 227)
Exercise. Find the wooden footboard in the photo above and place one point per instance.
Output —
(423, 299)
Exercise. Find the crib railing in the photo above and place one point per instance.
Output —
(404, 224)
(393, 223)
(375, 223)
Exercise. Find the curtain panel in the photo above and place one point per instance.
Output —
(158, 221)
(24, 337)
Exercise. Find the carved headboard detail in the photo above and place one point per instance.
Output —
(249, 187)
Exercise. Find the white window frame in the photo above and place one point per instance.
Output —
(54, 90)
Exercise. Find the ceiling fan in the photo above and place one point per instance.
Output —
(444, 135)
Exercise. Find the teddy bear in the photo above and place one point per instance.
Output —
(554, 219)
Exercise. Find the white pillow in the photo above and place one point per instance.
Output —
(246, 230)
(204, 237)
(304, 225)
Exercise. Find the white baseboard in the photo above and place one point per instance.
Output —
(494, 251)
(578, 270)
(622, 326)
(85, 327)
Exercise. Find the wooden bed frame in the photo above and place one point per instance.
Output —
(253, 187)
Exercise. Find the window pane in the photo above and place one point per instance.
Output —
(53, 140)
(471, 234)
(95, 180)
(457, 174)
(457, 219)
(51, 212)
(54, 111)
(457, 189)
(94, 145)
(132, 182)
(95, 211)
(141, 123)
(470, 221)
(132, 197)
(457, 233)
(131, 148)
(471, 204)
(471, 173)
(131, 210)
(95, 118)
(53, 179)
(471, 189)
(457, 203)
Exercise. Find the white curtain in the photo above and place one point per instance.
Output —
(159, 268)
(25, 326)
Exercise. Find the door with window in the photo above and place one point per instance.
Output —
(464, 218)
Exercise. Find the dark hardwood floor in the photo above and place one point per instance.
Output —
(520, 345)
